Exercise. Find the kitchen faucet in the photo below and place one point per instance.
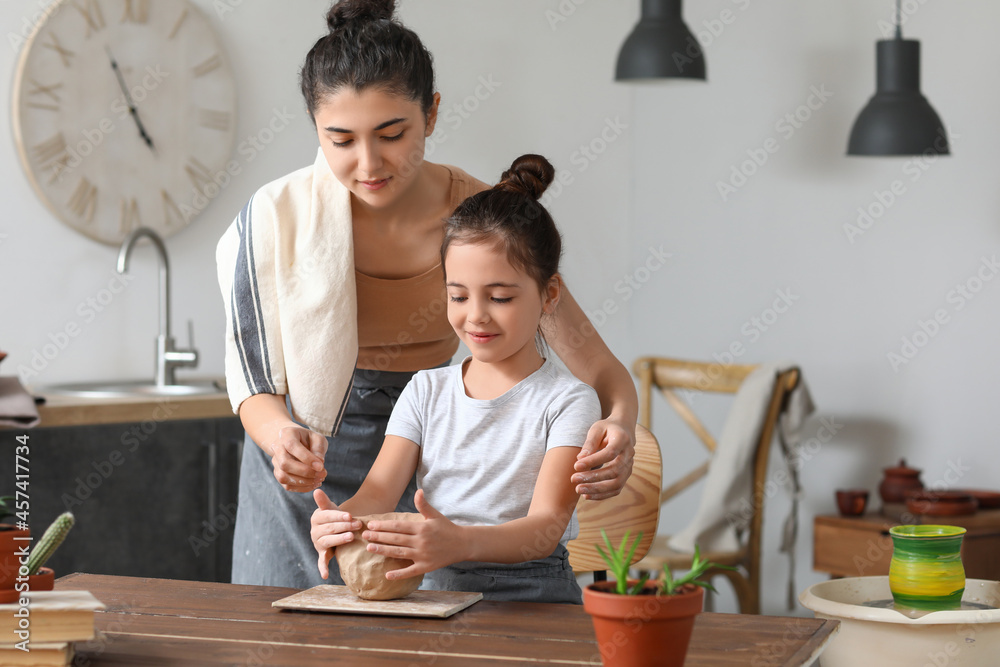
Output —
(168, 357)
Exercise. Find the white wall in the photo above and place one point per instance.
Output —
(654, 184)
(547, 96)
(783, 231)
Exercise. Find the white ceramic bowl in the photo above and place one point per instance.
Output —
(887, 638)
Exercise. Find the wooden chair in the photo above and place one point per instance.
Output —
(668, 375)
(635, 510)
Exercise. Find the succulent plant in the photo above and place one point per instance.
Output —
(53, 537)
(698, 568)
(618, 562)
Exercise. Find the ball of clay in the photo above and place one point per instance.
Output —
(364, 572)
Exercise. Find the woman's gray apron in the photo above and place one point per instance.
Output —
(271, 546)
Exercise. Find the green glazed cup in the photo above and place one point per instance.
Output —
(926, 570)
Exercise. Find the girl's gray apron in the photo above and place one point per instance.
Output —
(548, 579)
(271, 545)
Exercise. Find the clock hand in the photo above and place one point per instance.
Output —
(128, 100)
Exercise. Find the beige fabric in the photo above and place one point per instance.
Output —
(286, 270)
(730, 473)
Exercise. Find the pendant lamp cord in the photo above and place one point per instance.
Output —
(899, 19)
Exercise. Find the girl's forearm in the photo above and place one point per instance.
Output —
(386, 482)
(364, 503)
(530, 538)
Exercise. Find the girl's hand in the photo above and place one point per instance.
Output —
(610, 447)
(297, 456)
(330, 527)
(431, 544)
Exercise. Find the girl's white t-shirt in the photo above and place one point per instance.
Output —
(479, 459)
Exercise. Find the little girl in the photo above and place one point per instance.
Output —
(493, 441)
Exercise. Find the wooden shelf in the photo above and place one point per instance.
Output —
(861, 546)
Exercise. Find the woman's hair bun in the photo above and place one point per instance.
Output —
(346, 12)
(529, 174)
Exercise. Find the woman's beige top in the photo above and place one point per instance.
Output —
(403, 323)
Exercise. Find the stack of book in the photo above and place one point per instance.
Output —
(43, 631)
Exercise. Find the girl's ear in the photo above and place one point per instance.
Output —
(551, 294)
(432, 115)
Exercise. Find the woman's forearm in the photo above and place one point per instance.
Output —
(263, 417)
(586, 355)
(614, 387)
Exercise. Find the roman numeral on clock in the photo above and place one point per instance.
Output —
(215, 120)
(177, 26)
(91, 12)
(129, 216)
(53, 156)
(40, 90)
(210, 64)
(171, 212)
(64, 54)
(83, 202)
(136, 11)
(199, 174)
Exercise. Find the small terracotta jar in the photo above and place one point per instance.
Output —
(43, 581)
(898, 482)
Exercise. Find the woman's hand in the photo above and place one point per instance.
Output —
(431, 544)
(610, 447)
(297, 455)
(330, 527)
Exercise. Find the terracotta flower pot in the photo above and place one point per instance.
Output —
(646, 630)
(11, 539)
(45, 580)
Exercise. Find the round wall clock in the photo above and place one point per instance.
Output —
(124, 114)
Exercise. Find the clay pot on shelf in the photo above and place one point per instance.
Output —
(941, 503)
(852, 502)
(988, 500)
(897, 482)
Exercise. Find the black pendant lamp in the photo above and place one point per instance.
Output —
(660, 46)
(898, 119)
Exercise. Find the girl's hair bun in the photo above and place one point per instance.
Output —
(347, 12)
(529, 175)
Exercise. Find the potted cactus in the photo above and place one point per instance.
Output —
(14, 541)
(644, 623)
(43, 578)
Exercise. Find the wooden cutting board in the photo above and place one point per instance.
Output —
(339, 599)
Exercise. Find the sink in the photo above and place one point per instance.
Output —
(131, 389)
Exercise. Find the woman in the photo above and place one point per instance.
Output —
(335, 297)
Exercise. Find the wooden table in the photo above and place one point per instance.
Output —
(861, 546)
(167, 622)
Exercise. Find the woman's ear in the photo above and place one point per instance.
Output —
(551, 294)
(432, 115)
